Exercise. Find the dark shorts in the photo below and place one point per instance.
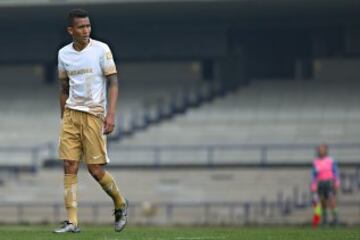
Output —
(325, 189)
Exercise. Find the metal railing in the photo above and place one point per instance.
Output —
(189, 155)
(213, 155)
(206, 213)
(17, 158)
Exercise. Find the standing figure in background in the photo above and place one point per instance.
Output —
(325, 182)
(87, 72)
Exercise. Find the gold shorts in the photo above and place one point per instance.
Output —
(81, 137)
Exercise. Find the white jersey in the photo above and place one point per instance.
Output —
(87, 70)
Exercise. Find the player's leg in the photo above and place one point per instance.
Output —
(333, 209)
(70, 149)
(70, 197)
(96, 156)
(323, 201)
(332, 205)
(70, 186)
(109, 185)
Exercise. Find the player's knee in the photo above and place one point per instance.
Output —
(96, 171)
(70, 167)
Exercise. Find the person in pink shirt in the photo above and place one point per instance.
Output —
(325, 182)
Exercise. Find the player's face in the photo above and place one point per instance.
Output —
(80, 30)
(322, 150)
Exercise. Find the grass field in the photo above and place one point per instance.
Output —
(169, 233)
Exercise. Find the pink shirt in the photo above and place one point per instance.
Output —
(324, 169)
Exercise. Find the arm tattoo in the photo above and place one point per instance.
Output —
(64, 86)
(112, 80)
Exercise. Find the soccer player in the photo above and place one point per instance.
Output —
(325, 182)
(86, 72)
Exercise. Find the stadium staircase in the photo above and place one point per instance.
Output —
(182, 101)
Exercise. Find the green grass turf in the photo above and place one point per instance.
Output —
(181, 233)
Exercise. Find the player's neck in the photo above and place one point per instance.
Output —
(78, 46)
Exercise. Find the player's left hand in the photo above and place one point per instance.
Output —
(109, 123)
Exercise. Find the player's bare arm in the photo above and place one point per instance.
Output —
(64, 94)
(109, 124)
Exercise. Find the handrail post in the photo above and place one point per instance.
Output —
(34, 158)
(157, 160)
(210, 155)
(246, 210)
(20, 213)
(264, 155)
(51, 150)
(56, 212)
(169, 212)
(95, 212)
(207, 213)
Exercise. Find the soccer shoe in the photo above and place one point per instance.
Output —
(67, 227)
(121, 217)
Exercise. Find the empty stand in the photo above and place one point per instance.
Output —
(268, 111)
(269, 192)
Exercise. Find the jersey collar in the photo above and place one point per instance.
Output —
(87, 46)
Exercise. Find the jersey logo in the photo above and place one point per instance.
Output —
(80, 71)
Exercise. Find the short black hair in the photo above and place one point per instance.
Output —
(76, 13)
